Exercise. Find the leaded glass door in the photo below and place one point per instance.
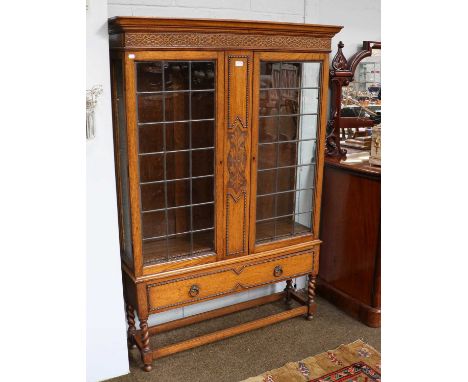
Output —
(176, 102)
(288, 123)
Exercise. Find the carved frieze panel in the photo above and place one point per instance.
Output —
(225, 41)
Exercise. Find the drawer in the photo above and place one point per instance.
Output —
(234, 278)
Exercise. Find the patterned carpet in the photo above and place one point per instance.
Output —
(355, 362)
(249, 354)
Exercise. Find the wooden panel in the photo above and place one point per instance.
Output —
(321, 145)
(169, 294)
(351, 233)
(237, 151)
(352, 306)
(132, 144)
(159, 33)
(155, 24)
(175, 269)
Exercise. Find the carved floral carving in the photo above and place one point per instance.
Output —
(339, 61)
(237, 158)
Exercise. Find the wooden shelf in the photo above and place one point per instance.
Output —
(177, 247)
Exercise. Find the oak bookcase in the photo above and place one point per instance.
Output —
(219, 131)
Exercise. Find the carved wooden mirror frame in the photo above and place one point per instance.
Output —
(341, 74)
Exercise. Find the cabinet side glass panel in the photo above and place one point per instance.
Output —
(287, 148)
(124, 210)
(176, 120)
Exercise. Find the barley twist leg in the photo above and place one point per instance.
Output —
(131, 326)
(311, 296)
(288, 291)
(145, 351)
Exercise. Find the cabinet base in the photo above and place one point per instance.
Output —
(147, 357)
(355, 308)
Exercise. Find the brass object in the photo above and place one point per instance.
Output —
(278, 271)
(194, 290)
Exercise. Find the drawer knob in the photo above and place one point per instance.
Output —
(278, 271)
(194, 290)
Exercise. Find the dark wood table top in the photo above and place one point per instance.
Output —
(356, 160)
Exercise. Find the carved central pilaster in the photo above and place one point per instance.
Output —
(237, 159)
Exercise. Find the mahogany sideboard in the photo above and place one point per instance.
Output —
(349, 273)
(219, 131)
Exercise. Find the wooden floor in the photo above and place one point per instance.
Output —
(252, 353)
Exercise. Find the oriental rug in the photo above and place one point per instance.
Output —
(355, 362)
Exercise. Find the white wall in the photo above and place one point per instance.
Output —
(360, 18)
(106, 351)
(106, 347)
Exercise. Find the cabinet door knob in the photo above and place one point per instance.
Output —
(278, 271)
(194, 290)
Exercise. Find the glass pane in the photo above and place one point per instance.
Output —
(202, 105)
(178, 220)
(151, 168)
(287, 155)
(178, 193)
(302, 223)
(203, 75)
(202, 190)
(176, 75)
(287, 178)
(266, 182)
(265, 230)
(311, 74)
(176, 103)
(152, 196)
(288, 117)
(203, 216)
(280, 75)
(308, 126)
(269, 102)
(203, 134)
(154, 224)
(176, 106)
(307, 152)
(284, 227)
(288, 127)
(177, 165)
(267, 156)
(177, 136)
(309, 100)
(149, 77)
(289, 101)
(303, 202)
(268, 130)
(150, 108)
(305, 177)
(265, 207)
(151, 138)
(203, 241)
(202, 162)
(284, 203)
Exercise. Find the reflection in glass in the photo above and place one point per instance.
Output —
(362, 99)
(288, 115)
(176, 158)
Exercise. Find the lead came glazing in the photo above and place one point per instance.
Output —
(176, 157)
